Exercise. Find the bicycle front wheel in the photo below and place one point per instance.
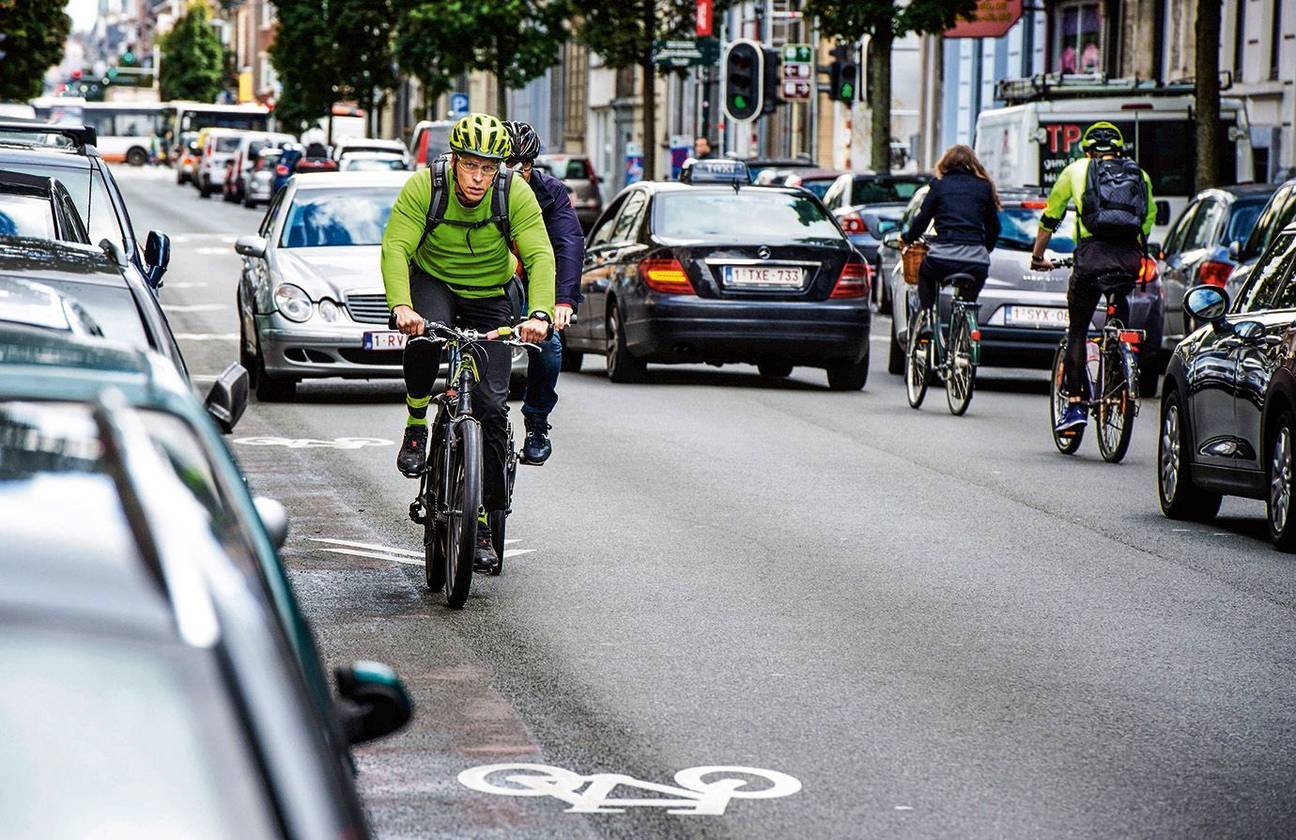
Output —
(918, 357)
(962, 369)
(464, 502)
(1115, 405)
(1066, 442)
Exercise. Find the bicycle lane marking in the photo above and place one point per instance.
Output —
(396, 555)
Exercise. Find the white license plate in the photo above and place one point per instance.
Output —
(384, 340)
(762, 276)
(1036, 316)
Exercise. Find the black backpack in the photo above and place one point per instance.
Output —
(441, 199)
(1115, 199)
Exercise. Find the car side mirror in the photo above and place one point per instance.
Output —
(251, 246)
(228, 397)
(892, 240)
(157, 254)
(1207, 303)
(274, 517)
(1162, 213)
(1235, 251)
(373, 701)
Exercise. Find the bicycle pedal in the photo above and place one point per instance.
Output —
(416, 512)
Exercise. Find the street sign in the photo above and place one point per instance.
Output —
(702, 23)
(458, 104)
(798, 72)
(686, 52)
(992, 19)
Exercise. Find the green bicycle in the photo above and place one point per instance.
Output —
(951, 355)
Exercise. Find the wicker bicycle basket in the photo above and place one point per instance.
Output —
(911, 259)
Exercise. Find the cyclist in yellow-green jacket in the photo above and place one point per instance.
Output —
(1113, 199)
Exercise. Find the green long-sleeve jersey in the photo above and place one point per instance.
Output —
(476, 262)
(1069, 189)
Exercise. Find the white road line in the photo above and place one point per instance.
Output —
(382, 552)
(193, 307)
(206, 336)
(184, 284)
(406, 560)
(369, 546)
(208, 251)
(517, 552)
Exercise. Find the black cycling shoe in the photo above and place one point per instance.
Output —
(412, 456)
(486, 557)
(536, 448)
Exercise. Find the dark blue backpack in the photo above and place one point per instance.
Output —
(1115, 199)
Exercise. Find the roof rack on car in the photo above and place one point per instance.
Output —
(1080, 85)
(163, 530)
(80, 135)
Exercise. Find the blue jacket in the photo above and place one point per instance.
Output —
(564, 234)
(963, 206)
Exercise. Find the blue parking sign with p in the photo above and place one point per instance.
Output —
(458, 104)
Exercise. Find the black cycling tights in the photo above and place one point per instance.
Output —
(1082, 299)
(932, 274)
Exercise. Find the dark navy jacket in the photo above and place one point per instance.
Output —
(564, 234)
(963, 206)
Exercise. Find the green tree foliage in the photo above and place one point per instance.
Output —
(32, 33)
(361, 50)
(516, 40)
(301, 55)
(193, 60)
(884, 21)
(623, 33)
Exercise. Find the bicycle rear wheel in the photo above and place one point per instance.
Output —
(962, 372)
(918, 358)
(434, 531)
(463, 505)
(1066, 442)
(1115, 405)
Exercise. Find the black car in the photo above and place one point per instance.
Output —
(1279, 211)
(39, 206)
(722, 272)
(68, 154)
(1228, 410)
(101, 280)
(148, 684)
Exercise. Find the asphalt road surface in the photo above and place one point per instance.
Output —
(939, 626)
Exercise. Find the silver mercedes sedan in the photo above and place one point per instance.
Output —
(311, 287)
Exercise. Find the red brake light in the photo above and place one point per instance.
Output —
(1034, 205)
(1131, 336)
(852, 223)
(666, 276)
(1148, 270)
(1214, 273)
(281, 170)
(853, 282)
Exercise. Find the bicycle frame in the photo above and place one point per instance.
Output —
(961, 310)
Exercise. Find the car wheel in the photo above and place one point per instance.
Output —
(1278, 502)
(249, 203)
(777, 371)
(896, 356)
(246, 358)
(848, 376)
(137, 157)
(1179, 498)
(270, 388)
(622, 366)
(1149, 374)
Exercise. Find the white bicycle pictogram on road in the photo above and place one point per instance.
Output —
(695, 796)
(314, 443)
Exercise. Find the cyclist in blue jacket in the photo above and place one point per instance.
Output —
(569, 254)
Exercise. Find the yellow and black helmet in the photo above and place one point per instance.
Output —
(1102, 137)
(481, 135)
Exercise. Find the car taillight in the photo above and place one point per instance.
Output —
(1034, 205)
(1214, 273)
(666, 276)
(853, 282)
(1147, 270)
(281, 170)
(852, 223)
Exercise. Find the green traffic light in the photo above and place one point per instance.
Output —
(847, 91)
(740, 102)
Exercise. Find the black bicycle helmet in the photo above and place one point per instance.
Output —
(526, 143)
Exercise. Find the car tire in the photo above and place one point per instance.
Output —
(1179, 498)
(896, 355)
(246, 358)
(271, 388)
(137, 157)
(1278, 483)
(1149, 375)
(249, 203)
(848, 376)
(775, 370)
(622, 366)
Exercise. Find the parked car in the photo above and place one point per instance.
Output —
(756, 166)
(38, 206)
(856, 189)
(372, 162)
(369, 145)
(67, 153)
(261, 180)
(577, 173)
(218, 146)
(186, 156)
(698, 271)
(1228, 410)
(251, 145)
(1278, 212)
(37, 305)
(430, 139)
(1023, 313)
(311, 287)
(1202, 246)
(865, 227)
(147, 618)
(814, 181)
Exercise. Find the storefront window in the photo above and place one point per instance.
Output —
(1077, 37)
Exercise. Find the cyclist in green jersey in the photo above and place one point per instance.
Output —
(453, 265)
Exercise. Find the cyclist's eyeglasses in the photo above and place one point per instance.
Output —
(472, 167)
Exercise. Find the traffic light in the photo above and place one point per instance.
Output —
(843, 74)
(771, 83)
(744, 64)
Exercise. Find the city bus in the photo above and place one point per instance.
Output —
(127, 131)
(192, 117)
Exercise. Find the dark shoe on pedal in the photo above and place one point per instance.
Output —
(536, 448)
(1075, 418)
(486, 557)
(413, 452)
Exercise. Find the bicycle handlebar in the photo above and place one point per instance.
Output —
(440, 332)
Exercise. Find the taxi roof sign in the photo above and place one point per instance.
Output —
(714, 171)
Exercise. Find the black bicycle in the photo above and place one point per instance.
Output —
(449, 501)
(1112, 370)
(950, 354)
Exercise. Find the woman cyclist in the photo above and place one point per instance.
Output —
(963, 202)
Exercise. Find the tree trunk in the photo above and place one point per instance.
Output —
(1208, 93)
(501, 94)
(649, 92)
(879, 94)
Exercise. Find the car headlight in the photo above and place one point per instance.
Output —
(292, 302)
(329, 310)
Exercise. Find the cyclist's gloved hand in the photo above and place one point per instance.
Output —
(407, 320)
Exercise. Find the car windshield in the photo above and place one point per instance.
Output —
(1018, 226)
(818, 186)
(90, 195)
(755, 216)
(228, 144)
(872, 190)
(112, 307)
(574, 168)
(320, 218)
(26, 215)
(1242, 219)
(108, 733)
(364, 164)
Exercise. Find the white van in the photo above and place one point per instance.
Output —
(1030, 143)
